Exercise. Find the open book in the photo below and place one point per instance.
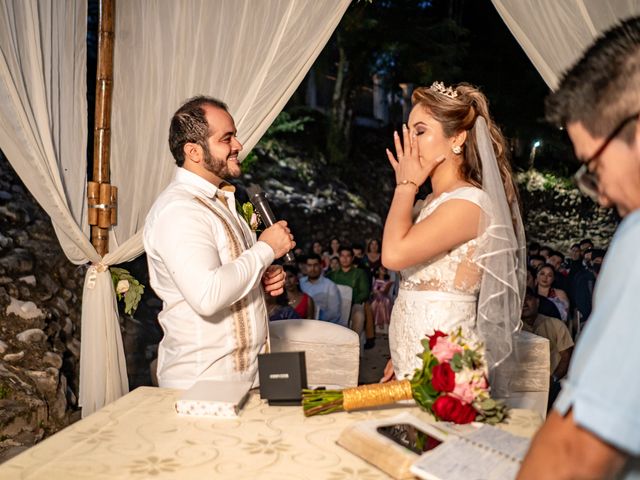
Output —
(451, 452)
(484, 453)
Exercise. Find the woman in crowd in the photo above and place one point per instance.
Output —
(298, 300)
(461, 250)
(544, 282)
(335, 247)
(380, 299)
(372, 256)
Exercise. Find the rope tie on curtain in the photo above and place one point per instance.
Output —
(94, 269)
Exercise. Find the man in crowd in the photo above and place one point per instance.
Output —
(355, 278)
(594, 428)
(204, 261)
(554, 330)
(324, 292)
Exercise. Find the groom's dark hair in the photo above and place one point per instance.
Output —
(189, 125)
(603, 88)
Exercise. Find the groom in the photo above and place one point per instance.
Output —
(204, 261)
(594, 428)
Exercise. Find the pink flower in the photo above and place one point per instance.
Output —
(444, 350)
(464, 391)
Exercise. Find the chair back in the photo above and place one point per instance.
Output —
(525, 375)
(346, 294)
(332, 352)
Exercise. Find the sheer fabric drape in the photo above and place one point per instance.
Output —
(250, 54)
(554, 33)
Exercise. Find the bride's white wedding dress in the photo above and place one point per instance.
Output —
(440, 294)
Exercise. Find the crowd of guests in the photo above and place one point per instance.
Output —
(313, 292)
(558, 300)
(556, 306)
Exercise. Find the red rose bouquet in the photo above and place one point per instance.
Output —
(452, 385)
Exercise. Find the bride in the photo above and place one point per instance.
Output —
(461, 249)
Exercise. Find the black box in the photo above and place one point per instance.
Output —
(282, 375)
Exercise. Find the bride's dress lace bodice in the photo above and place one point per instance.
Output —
(455, 271)
(440, 294)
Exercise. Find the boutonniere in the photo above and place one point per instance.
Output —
(249, 215)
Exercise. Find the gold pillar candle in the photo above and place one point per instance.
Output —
(376, 394)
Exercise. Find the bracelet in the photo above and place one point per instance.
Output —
(408, 182)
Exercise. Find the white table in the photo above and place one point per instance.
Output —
(140, 436)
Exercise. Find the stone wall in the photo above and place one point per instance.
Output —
(40, 292)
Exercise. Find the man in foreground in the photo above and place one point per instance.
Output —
(204, 261)
(594, 428)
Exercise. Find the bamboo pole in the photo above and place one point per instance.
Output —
(101, 197)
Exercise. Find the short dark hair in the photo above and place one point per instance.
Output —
(357, 245)
(345, 247)
(292, 269)
(314, 256)
(537, 257)
(189, 125)
(534, 246)
(603, 87)
(556, 253)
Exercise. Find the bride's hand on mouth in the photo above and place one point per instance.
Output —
(410, 165)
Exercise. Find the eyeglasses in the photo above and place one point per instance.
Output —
(587, 180)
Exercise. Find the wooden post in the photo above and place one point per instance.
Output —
(101, 197)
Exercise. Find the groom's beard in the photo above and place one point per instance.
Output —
(220, 167)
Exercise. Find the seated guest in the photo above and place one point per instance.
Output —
(298, 300)
(334, 264)
(324, 292)
(584, 282)
(545, 251)
(381, 302)
(373, 258)
(544, 282)
(536, 261)
(358, 256)
(335, 247)
(546, 306)
(585, 244)
(355, 278)
(278, 308)
(560, 342)
(556, 260)
(316, 247)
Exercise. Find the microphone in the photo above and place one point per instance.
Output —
(258, 199)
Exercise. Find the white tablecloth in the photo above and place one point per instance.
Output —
(140, 436)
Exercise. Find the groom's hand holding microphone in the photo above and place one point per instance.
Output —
(280, 239)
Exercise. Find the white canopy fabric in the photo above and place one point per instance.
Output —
(252, 55)
(554, 33)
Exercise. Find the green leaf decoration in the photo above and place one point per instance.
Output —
(132, 296)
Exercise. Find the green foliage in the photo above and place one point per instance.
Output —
(131, 290)
(535, 180)
(272, 142)
(4, 392)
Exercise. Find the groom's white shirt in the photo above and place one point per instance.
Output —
(191, 268)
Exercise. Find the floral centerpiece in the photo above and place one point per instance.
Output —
(451, 384)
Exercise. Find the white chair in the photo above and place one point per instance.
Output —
(346, 294)
(525, 374)
(332, 352)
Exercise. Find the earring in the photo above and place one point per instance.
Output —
(457, 149)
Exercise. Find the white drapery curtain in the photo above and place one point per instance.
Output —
(250, 54)
(553, 33)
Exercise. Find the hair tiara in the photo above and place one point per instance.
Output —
(441, 89)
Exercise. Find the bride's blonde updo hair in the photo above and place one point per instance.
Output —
(459, 114)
